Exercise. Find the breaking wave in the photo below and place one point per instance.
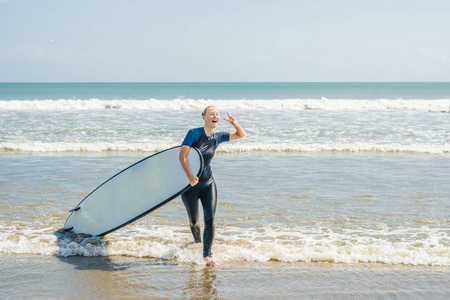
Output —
(200, 104)
(99, 147)
(410, 246)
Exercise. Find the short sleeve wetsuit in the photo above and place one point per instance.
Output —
(205, 189)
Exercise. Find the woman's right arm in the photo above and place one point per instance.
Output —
(184, 151)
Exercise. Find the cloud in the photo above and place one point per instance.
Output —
(31, 51)
(434, 55)
(45, 52)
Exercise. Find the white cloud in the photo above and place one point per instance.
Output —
(30, 51)
(434, 55)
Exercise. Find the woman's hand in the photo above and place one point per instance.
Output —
(239, 133)
(193, 180)
(230, 119)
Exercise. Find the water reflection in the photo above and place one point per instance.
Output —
(201, 283)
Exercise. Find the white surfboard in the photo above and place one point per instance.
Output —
(133, 192)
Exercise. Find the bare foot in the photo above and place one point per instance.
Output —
(209, 261)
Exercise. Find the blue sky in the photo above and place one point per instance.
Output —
(224, 41)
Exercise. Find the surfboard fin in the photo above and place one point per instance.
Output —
(75, 209)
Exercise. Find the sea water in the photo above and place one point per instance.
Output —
(338, 190)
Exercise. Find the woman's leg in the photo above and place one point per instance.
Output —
(190, 201)
(209, 203)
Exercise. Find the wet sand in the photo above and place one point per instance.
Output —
(34, 276)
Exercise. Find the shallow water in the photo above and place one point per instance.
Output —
(137, 278)
(382, 208)
(288, 225)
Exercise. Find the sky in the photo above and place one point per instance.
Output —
(224, 41)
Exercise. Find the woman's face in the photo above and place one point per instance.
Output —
(212, 117)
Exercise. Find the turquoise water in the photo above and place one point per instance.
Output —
(303, 117)
(230, 91)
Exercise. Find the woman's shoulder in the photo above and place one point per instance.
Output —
(192, 136)
(221, 136)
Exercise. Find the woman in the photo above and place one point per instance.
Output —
(204, 188)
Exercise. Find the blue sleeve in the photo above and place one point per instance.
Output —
(192, 136)
(222, 137)
(189, 139)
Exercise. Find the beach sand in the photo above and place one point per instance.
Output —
(31, 276)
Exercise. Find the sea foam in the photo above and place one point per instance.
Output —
(410, 246)
(243, 104)
(243, 147)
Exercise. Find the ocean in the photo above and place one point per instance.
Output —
(338, 190)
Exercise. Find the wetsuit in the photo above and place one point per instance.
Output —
(205, 189)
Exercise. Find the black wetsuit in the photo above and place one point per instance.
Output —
(205, 189)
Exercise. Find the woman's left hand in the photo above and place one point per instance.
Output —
(230, 119)
(239, 133)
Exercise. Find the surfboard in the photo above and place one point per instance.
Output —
(133, 192)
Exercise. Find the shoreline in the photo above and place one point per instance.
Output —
(94, 277)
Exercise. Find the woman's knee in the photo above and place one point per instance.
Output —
(209, 224)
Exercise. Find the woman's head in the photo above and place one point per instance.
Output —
(206, 110)
(211, 116)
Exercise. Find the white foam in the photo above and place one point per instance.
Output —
(411, 246)
(199, 104)
(244, 146)
(337, 147)
(37, 146)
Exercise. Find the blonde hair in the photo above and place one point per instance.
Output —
(206, 109)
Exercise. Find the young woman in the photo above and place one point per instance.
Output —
(204, 188)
